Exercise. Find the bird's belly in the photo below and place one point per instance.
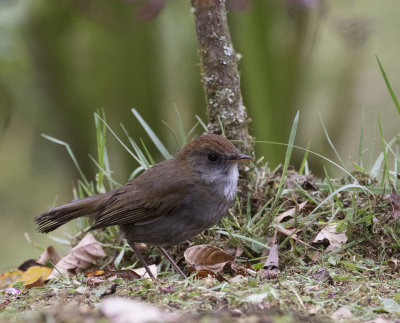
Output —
(178, 227)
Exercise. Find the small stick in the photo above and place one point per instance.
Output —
(136, 250)
(178, 270)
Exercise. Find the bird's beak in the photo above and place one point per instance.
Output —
(239, 157)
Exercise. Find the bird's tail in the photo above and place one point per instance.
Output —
(58, 216)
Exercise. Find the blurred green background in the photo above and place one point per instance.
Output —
(60, 61)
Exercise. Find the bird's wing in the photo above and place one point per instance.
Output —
(156, 193)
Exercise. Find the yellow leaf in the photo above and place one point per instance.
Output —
(34, 273)
(9, 278)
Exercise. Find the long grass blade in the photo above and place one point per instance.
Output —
(389, 87)
(157, 142)
(360, 146)
(330, 141)
(288, 155)
(71, 154)
(384, 151)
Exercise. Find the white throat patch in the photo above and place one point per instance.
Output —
(230, 183)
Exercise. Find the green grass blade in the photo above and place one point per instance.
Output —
(304, 161)
(221, 126)
(157, 142)
(360, 146)
(105, 172)
(389, 87)
(384, 151)
(101, 131)
(288, 155)
(120, 141)
(256, 242)
(204, 126)
(181, 129)
(330, 141)
(71, 154)
(310, 151)
(149, 157)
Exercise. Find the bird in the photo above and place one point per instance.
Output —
(168, 203)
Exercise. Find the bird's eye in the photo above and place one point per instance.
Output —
(212, 157)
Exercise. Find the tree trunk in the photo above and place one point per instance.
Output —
(221, 80)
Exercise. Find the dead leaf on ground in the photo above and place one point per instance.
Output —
(97, 277)
(270, 269)
(205, 273)
(119, 309)
(207, 257)
(322, 275)
(33, 277)
(290, 212)
(335, 239)
(37, 283)
(9, 278)
(394, 265)
(234, 269)
(50, 255)
(395, 201)
(143, 273)
(83, 255)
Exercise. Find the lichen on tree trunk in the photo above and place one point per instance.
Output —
(220, 75)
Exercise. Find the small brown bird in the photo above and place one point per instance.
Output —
(168, 203)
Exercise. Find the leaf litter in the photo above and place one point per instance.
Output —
(313, 281)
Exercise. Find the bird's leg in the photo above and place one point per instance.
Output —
(136, 250)
(178, 270)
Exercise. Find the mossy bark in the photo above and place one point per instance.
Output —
(220, 76)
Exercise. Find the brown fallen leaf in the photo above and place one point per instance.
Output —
(83, 255)
(322, 275)
(394, 265)
(50, 255)
(143, 273)
(37, 283)
(395, 201)
(335, 239)
(35, 276)
(207, 257)
(270, 269)
(97, 277)
(290, 212)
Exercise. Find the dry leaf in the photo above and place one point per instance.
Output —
(206, 257)
(393, 265)
(9, 278)
(395, 201)
(37, 283)
(124, 310)
(49, 255)
(87, 251)
(97, 277)
(290, 212)
(143, 273)
(271, 266)
(335, 239)
(322, 275)
(205, 273)
(35, 276)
